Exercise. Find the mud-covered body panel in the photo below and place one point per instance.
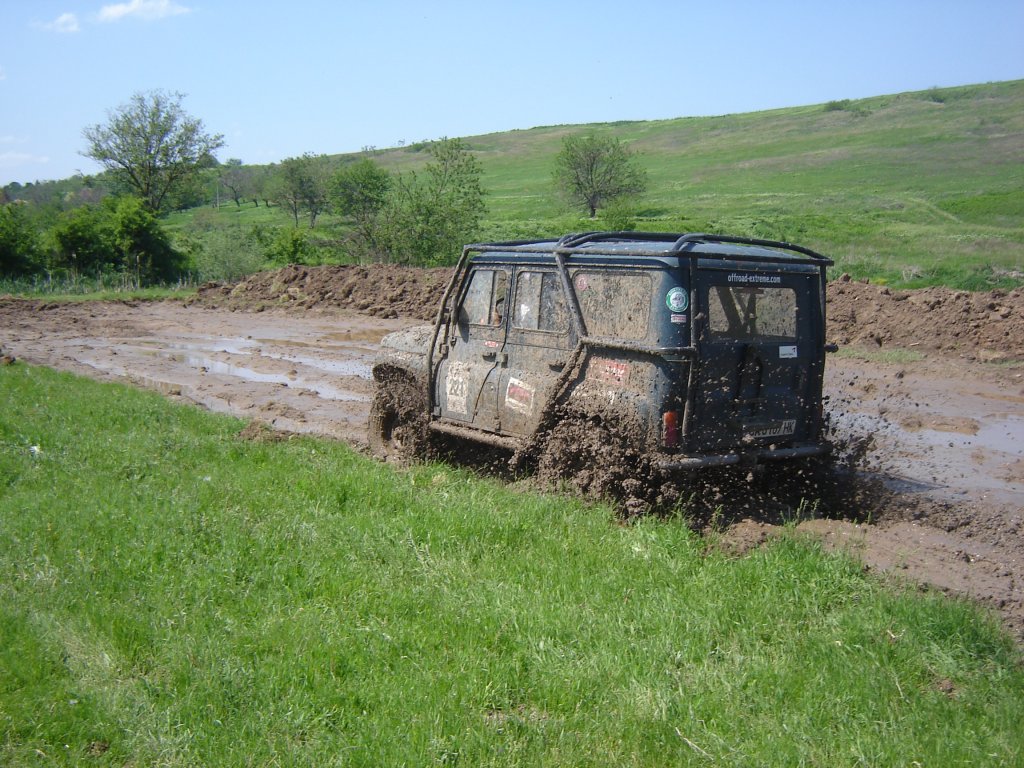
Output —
(406, 351)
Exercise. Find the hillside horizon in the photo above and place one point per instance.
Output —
(914, 188)
(376, 151)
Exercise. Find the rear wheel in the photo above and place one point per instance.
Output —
(397, 429)
(595, 459)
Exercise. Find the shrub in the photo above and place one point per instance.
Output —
(20, 250)
(838, 106)
(290, 246)
(226, 254)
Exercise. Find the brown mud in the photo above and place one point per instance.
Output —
(928, 395)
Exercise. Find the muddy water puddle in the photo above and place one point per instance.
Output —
(195, 359)
(206, 356)
(356, 368)
(212, 344)
(194, 354)
(935, 428)
(209, 365)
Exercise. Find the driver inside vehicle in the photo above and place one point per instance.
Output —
(498, 310)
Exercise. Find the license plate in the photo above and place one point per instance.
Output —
(771, 429)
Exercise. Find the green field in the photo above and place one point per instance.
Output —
(173, 594)
(911, 189)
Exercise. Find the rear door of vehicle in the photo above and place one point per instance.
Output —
(758, 339)
(466, 387)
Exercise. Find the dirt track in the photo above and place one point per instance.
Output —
(948, 428)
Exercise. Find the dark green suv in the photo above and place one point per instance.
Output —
(683, 350)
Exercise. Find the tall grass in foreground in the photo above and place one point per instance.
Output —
(173, 594)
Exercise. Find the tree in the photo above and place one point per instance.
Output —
(262, 184)
(144, 247)
(300, 185)
(118, 236)
(237, 180)
(225, 253)
(429, 217)
(290, 246)
(19, 242)
(593, 170)
(152, 146)
(359, 191)
(84, 240)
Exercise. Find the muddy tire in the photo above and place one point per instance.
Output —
(397, 429)
(593, 458)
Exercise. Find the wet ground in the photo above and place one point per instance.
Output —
(296, 374)
(938, 427)
(946, 432)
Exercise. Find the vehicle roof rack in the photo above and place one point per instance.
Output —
(702, 237)
(681, 244)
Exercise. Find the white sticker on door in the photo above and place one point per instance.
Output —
(519, 396)
(456, 389)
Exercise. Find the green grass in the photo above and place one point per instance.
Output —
(104, 288)
(171, 594)
(910, 189)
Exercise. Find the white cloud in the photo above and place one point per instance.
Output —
(66, 23)
(148, 10)
(19, 159)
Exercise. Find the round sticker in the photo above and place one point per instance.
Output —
(677, 300)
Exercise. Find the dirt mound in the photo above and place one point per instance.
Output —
(986, 326)
(380, 290)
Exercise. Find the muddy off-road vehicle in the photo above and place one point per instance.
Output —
(615, 355)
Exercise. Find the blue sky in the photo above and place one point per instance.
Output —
(282, 78)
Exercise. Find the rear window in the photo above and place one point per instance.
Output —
(614, 304)
(746, 313)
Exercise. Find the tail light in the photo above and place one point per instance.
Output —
(670, 429)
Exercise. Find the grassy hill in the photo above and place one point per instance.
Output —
(914, 188)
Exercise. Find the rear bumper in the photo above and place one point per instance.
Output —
(680, 463)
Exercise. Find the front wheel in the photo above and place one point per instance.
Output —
(397, 429)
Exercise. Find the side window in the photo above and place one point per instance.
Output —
(484, 300)
(540, 304)
(614, 304)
